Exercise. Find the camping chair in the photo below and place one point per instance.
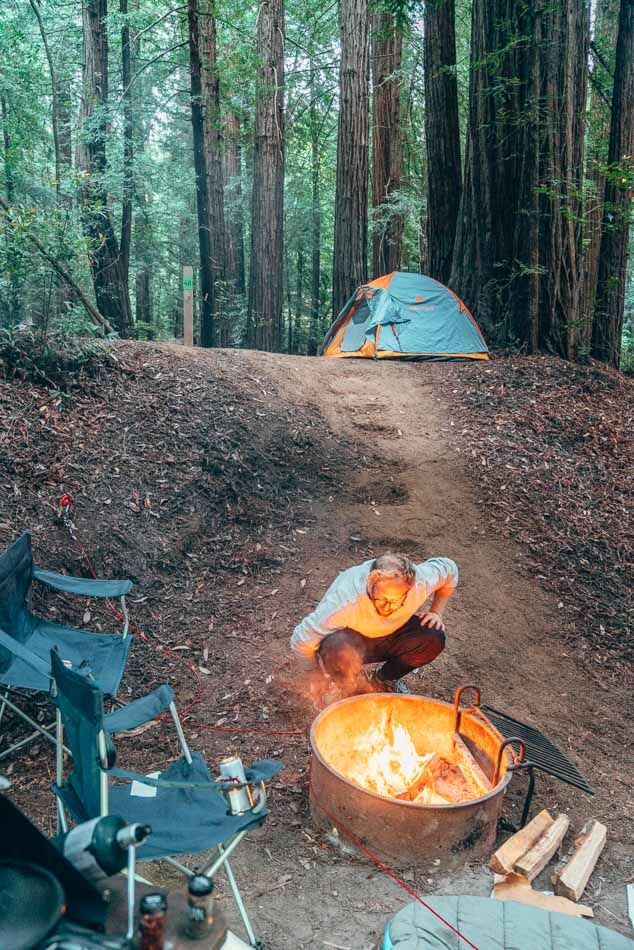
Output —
(183, 805)
(26, 640)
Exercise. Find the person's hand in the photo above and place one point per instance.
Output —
(432, 620)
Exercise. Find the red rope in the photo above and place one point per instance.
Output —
(253, 731)
(65, 504)
(397, 880)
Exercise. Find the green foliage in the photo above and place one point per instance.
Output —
(60, 361)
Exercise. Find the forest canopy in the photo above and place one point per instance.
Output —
(290, 152)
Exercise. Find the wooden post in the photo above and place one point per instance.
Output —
(188, 305)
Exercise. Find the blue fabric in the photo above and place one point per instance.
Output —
(495, 925)
(183, 819)
(24, 654)
(85, 586)
(140, 711)
(428, 318)
(105, 654)
(355, 335)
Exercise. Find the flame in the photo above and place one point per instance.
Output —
(384, 759)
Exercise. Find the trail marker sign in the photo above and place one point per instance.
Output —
(188, 305)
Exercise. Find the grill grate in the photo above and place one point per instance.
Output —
(540, 752)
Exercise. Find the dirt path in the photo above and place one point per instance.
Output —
(410, 493)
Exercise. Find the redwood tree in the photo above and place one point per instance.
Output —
(350, 253)
(517, 259)
(233, 204)
(442, 136)
(264, 316)
(111, 289)
(608, 321)
(214, 144)
(387, 230)
(207, 301)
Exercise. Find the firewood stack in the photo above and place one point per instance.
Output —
(525, 855)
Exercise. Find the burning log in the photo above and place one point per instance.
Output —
(470, 767)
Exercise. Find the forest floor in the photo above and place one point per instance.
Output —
(232, 486)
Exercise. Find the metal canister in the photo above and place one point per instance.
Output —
(232, 774)
(200, 911)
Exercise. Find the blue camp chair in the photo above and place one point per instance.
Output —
(26, 640)
(183, 805)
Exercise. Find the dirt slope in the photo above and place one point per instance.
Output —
(399, 485)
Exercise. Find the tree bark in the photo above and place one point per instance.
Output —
(315, 218)
(233, 204)
(387, 230)
(600, 97)
(144, 301)
(214, 148)
(128, 141)
(264, 316)
(55, 110)
(612, 276)
(207, 301)
(442, 136)
(517, 254)
(350, 253)
(111, 290)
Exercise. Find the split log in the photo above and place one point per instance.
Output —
(470, 767)
(422, 780)
(537, 857)
(570, 879)
(516, 887)
(504, 859)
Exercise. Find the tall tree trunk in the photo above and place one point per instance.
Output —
(350, 252)
(233, 204)
(315, 217)
(387, 231)
(299, 289)
(128, 141)
(517, 250)
(207, 301)
(144, 301)
(600, 98)
(608, 321)
(54, 95)
(442, 136)
(267, 206)
(111, 289)
(15, 296)
(214, 147)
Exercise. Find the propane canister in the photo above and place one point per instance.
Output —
(99, 848)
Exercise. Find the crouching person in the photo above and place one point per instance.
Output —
(374, 613)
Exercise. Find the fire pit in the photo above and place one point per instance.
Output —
(409, 777)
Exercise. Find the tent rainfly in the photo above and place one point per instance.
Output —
(408, 317)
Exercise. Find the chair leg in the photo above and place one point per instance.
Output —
(41, 730)
(254, 942)
(5, 693)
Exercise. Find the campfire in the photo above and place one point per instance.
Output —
(383, 759)
(408, 776)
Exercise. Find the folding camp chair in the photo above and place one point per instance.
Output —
(26, 638)
(183, 805)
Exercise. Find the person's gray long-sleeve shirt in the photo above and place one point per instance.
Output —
(346, 603)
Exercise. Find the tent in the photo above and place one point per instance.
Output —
(405, 316)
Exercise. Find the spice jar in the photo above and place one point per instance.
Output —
(152, 929)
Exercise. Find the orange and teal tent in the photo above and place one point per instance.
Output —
(405, 316)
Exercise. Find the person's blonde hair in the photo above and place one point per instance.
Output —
(391, 565)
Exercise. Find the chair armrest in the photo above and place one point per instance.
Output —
(84, 586)
(140, 711)
(18, 649)
(128, 776)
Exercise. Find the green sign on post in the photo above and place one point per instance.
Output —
(188, 282)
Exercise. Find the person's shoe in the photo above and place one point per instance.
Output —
(378, 685)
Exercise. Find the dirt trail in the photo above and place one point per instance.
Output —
(411, 493)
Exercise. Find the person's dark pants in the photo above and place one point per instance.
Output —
(345, 652)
